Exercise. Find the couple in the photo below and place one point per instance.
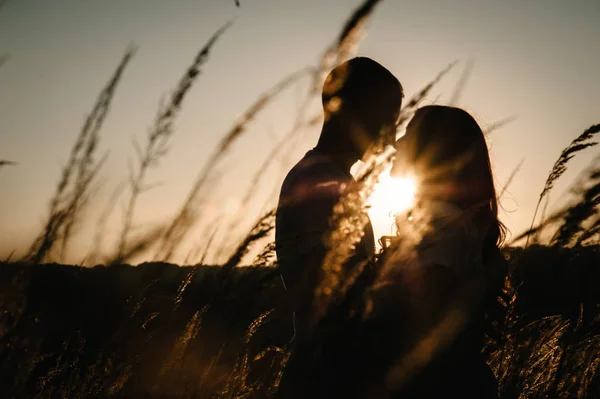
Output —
(416, 327)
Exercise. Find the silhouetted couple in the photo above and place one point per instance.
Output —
(412, 322)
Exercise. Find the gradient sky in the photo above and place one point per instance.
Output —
(537, 60)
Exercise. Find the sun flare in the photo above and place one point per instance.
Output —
(392, 195)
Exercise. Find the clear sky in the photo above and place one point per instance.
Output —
(537, 60)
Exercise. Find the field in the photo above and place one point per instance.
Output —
(160, 330)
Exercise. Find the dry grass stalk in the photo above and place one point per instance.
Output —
(348, 222)
(9, 257)
(573, 226)
(214, 230)
(500, 124)
(267, 256)
(137, 246)
(157, 144)
(560, 166)
(99, 234)
(6, 163)
(409, 108)
(174, 361)
(550, 221)
(343, 48)
(204, 245)
(273, 156)
(260, 230)
(86, 173)
(238, 385)
(461, 84)
(511, 178)
(185, 218)
(71, 192)
(353, 29)
(593, 231)
(346, 43)
(4, 57)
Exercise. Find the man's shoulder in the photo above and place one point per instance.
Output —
(314, 167)
(315, 182)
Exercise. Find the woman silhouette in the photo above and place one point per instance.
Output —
(444, 266)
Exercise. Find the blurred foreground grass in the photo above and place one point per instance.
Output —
(161, 330)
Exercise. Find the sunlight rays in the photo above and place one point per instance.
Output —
(391, 195)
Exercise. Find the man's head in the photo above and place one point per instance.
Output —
(361, 101)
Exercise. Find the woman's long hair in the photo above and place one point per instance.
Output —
(448, 152)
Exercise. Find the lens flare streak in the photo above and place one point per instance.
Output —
(392, 195)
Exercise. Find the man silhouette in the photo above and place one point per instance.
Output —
(361, 103)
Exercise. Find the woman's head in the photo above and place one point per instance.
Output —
(445, 149)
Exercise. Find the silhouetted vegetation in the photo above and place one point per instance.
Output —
(161, 330)
(73, 189)
(6, 163)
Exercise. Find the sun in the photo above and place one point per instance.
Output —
(392, 195)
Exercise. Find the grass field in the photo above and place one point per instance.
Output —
(160, 330)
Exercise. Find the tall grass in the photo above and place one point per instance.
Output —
(4, 162)
(583, 141)
(511, 178)
(461, 84)
(165, 331)
(3, 58)
(410, 107)
(573, 229)
(341, 49)
(157, 144)
(186, 217)
(72, 192)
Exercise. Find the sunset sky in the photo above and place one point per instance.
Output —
(537, 60)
